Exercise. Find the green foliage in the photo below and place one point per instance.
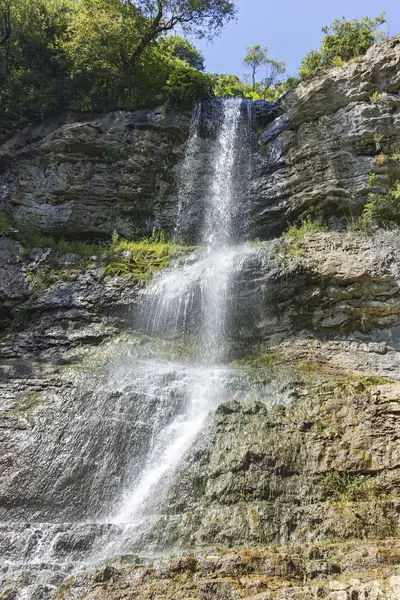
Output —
(388, 159)
(257, 57)
(184, 50)
(344, 40)
(115, 153)
(264, 361)
(283, 86)
(313, 64)
(138, 260)
(347, 487)
(29, 235)
(295, 234)
(186, 85)
(230, 86)
(382, 209)
(202, 18)
(24, 405)
(32, 65)
(375, 97)
(96, 56)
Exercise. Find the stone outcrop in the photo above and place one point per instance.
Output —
(308, 470)
(341, 286)
(316, 158)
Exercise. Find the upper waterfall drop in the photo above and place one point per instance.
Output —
(219, 204)
(214, 177)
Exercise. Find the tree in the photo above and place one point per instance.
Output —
(32, 68)
(183, 49)
(202, 18)
(5, 21)
(257, 57)
(343, 41)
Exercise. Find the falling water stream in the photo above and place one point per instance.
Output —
(170, 400)
(171, 298)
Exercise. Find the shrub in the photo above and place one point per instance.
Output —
(344, 40)
(138, 259)
(375, 97)
(381, 210)
(388, 159)
(29, 235)
(347, 487)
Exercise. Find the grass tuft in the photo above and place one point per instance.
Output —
(296, 233)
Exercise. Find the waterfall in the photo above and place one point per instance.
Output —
(130, 424)
(172, 296)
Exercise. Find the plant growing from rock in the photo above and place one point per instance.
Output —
(296, 233)
(138, 259)
(347, 487)
(382, 209)
(375, 97)
(388, 159)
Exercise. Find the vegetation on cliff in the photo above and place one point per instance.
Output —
(98, 55)
(136, 259)
(104, 55)
(344, 41)
(383, 206)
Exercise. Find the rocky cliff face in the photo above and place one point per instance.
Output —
(86, 176)
(317, 156)
(308, 459)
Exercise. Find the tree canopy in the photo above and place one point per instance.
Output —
(203, 18)
(104, 55)
(183, 49)
(83, 54)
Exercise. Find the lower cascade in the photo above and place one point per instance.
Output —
(120, 499)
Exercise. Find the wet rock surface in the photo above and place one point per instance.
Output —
(315, 460)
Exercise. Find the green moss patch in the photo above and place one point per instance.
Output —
(139, 259)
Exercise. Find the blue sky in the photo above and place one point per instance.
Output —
(289, 29)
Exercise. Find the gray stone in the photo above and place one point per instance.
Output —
(265, 112)
(70, 259)
(90, 176)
